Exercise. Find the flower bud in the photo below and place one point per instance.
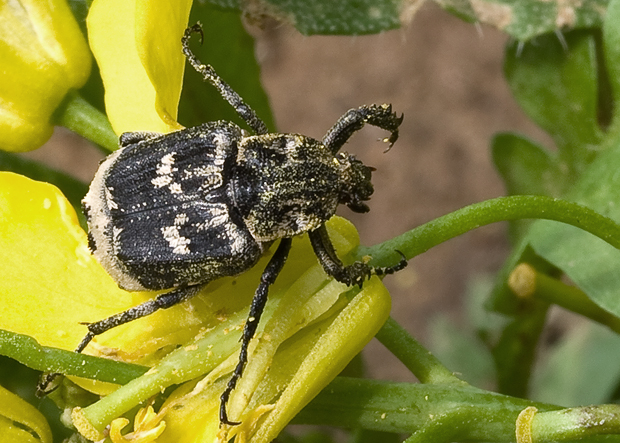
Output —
(44, 55)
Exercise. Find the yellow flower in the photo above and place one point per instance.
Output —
(137, 45)
(50, 281)
(44, 56)
(311, 328)
(312, 325)
(20, 422)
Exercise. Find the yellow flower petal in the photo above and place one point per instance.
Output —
(20, 422)
(51, 283)
(137, 44)
(44, 55)
(344, 338)
(146, 427)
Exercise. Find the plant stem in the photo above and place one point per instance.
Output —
(419, 360)
(439, 414)
(515, 352)
(81, 117)
(526, 282)
(576, 423)
(445, 411)
(27, 351)
(517, 207)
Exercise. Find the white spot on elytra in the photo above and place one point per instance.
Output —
(108, 195)
(47, 203)
(181, 219)
(164, 174)
(165, 166)
(177, 242)
(216, 215)
(161, 181)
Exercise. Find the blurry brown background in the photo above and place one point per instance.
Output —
(446, 77)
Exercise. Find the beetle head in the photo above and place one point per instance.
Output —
(356, 185)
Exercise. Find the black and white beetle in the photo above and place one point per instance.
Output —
(179, 210)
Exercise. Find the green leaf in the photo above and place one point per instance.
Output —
(582, 370)
(557, 87)
(522, 19)
(343, 17)
(592, 265)
(526, 19)
(527, 169)
(230, 50)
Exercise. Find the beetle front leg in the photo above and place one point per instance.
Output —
(353, 274)
(228, 93)
(256, 310)
(354, 120)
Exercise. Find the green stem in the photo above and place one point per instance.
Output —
(450, 413)
(446, 428)
(81, 117)
(27, 351)
(439, 414)
(419, 360)
(182, 364)
(526, 282)
(576, 423)
(517, 207)
(515, 352)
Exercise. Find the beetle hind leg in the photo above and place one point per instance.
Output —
(48, 383)
(162, 301)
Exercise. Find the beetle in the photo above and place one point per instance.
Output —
(179, 210)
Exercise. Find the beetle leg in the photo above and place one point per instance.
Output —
(208, 74)
(354, 120)
(162, 301)
(353, 274)
(256, 310)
